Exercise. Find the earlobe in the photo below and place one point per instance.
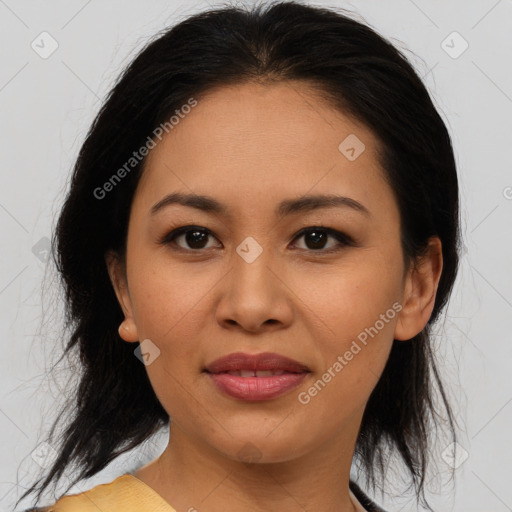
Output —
(420, 292)
(127, 329)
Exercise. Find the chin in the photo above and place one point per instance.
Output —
(260, 449)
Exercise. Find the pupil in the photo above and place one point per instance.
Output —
(195, 237)
(316, 237)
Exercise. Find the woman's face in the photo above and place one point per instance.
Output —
(245, 280)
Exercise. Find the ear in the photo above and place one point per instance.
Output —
(117, 273)
(420, 291)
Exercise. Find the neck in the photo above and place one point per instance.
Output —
(190, 476)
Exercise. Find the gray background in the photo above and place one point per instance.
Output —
(47, 104)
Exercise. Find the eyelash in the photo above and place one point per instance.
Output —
(343, 239)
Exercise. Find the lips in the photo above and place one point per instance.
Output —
(266, 361)
(256, 377)
(255, 373)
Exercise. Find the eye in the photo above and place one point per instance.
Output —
(316, 237)
(196, 237)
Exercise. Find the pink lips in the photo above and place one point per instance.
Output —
(272, 375)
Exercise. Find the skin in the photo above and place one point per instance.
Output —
(251, 146)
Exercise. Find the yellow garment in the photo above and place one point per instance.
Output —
(124, 494)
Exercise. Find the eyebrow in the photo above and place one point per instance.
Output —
(285, 208)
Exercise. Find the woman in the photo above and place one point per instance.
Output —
(261, 229)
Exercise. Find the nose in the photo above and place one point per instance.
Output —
(255, 295)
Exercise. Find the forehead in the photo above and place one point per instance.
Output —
(257, 143)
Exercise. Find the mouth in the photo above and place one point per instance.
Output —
(255, 377)
(263, 362)
(255, 373)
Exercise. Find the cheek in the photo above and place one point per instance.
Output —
(352, 295)
(169, 308)
(352, 314)
(352, 355)
(168, 298)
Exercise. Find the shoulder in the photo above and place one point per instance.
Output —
(114, 496)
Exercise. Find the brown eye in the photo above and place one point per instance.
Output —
(194, 237)
(316, 239)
